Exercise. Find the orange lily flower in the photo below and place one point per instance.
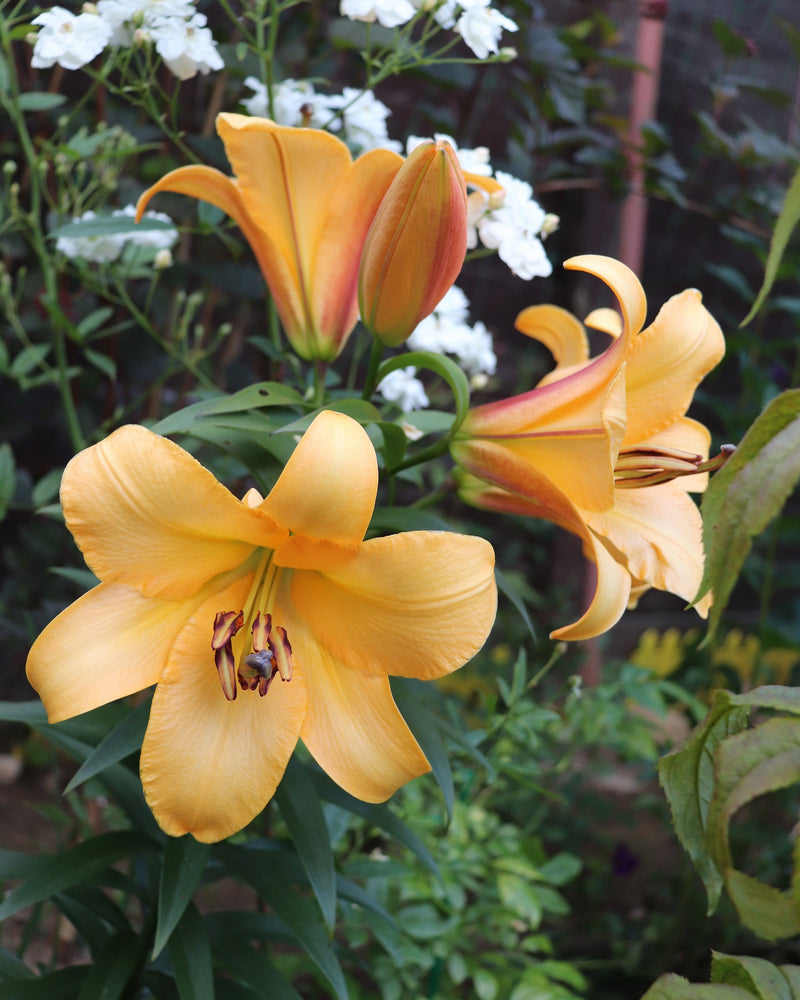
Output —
(260, 621)
(602, 447)
(304, 207)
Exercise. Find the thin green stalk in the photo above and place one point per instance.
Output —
(372, 372)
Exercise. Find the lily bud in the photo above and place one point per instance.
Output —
(416, 244)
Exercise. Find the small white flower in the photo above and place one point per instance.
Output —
(472, 161)
(447, 331)
(186, 45)
(364, 120)
(97, 249)
(481, 26)
(402, 387)
(296, 103)
(69, 40)
(513, 229)
(389, 13)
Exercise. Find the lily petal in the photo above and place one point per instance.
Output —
(667, 361)
(419, 604)
(560, 332)
(110, 643)
(209, 765)
(613, 580)
(577, 444)
(327, 489)
(165, 531)
(353, 728)
(659, 532)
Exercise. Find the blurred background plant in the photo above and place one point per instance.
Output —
(540, 863)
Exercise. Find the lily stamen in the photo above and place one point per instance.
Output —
(637, 468)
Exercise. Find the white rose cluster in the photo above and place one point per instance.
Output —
(478, 23)
(358, 117)
(446, 331)
(175, 28)
(107, 247)
(512, 223)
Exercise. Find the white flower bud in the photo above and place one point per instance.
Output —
(163, 259)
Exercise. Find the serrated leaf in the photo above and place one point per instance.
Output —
(784, 226)
(756, 975)
(749, 764)
(258, 868)
(300, 807)
(410, 698)
(113, 968)
(39, 101)
(190, 952)
(181, 869)
(672, 987)
(746, 494)
(54, 873)
(125, 739)
(687, 777)
(7, 477)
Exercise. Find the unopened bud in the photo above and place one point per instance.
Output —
(9, 167)
(162, 259)
(416, 244)
(507, 54)
(549, 225)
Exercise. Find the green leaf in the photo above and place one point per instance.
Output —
(759, 977)
(746, 494)
(28, 359)
(731, 42)
(109, 225)
(125, 739)
(190, 952)
(102, 363)
(299, 803)
(230, 938)
(93, 321)
(749, 764)
(253, 397)
(378, 815)
(39, 101)
(54, 873)
(7, 477)
(440, 365)
(113, 968)
(64, 984)
(93, 913)
(258, 868)
(506, 587)
(786, 222)
(410, 697)
(406, 519)
(181, 869)
(687, 777)
(47, 488)
(672, 987)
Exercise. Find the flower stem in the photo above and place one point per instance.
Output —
(372, 372)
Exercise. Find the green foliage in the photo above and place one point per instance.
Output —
(735, 977)
(720, 768)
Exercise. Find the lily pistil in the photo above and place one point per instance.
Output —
(639, 467)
